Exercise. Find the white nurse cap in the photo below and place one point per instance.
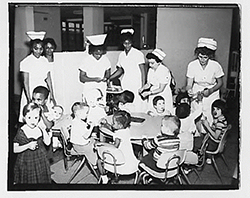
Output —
(97, 39)
(131, 31)
(210, 43)
(159, 53)
(36, 35)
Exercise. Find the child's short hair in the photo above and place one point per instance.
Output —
(42, 90)
(172, 122)
(182, 110)
(156, 99)
(128, 96)
(77, 106)
(219, 104)
(123, 117)
(30, 107)
(180, 96)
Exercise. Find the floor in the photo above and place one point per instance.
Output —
(208, 177)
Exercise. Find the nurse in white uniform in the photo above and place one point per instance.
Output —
(132, 62)
(158, 83)
(34, 70)
(205, 75)
(94, 67)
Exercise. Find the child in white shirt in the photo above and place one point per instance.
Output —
(80, 135)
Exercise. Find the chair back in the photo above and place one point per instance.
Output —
(171, 161)
(223, 141)
(65, 134)
(110, 154)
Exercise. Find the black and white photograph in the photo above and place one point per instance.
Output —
(124, 96)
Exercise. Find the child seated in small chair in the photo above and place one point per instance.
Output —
(56, 113)
(166, 141)
(80, 134)
(121, 101)
(94, 99)
(121, 139)
(159, 107)
(215, 129)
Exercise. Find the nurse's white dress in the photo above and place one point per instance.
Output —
(205, 78)
(95, 68)
(38, 69)
(161, 76)
(131, 80)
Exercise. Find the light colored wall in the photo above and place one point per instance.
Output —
(93, 20)
(178, 30)
(24, 21)
(48, 19)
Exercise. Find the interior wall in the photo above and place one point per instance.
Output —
(93, 18)
(178, 30)
(24, 21)
(49, 19)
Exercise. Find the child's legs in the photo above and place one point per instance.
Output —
(212, 146)
(198, 142)
(191, 158)
(87, 151)
(100, 167)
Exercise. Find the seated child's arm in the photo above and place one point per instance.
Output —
(215, 133)
(117, 142)
(149, 144)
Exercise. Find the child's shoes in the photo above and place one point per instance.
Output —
(103, 179)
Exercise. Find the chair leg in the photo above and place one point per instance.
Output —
(224, 159)
(93, 170)
(136, 177)
(144, 181)
(216, 169)
(185, 176)
(140, 175)
(179, 178)
(65, 161)
(196, 172)
(77, 169)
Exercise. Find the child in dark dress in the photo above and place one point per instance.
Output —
(32, 165)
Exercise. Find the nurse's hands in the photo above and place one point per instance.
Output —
(206, 92)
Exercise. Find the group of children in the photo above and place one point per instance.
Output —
(176, 132)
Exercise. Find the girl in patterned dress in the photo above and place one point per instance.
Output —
(32, 165)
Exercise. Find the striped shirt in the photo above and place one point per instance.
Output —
(219, 124)
(162, 144)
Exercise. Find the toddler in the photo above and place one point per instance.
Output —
(166, 141)
(182, 97)
(56, 116)
(215, 129)
(95, 101)
(121, 101)
(80, 135)
(159, 107)
(32, 165)
(121, 139)
(40, 97)
(56, 113)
